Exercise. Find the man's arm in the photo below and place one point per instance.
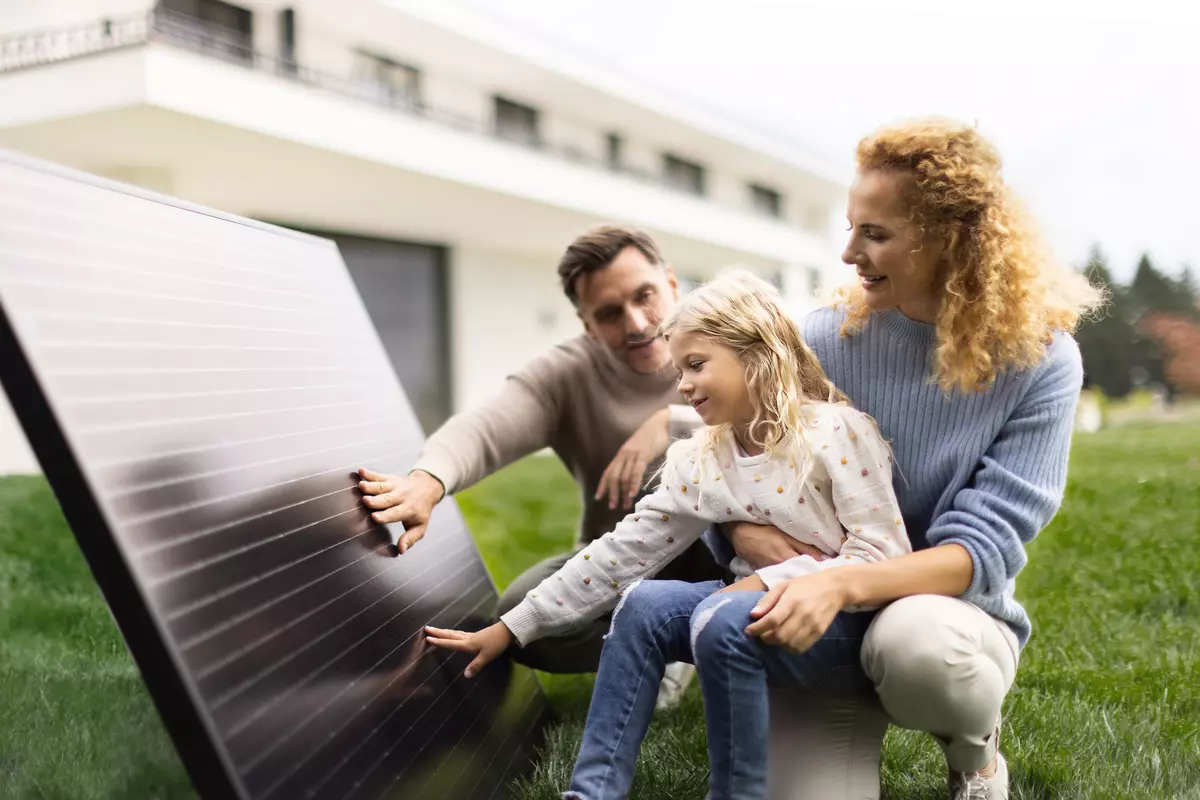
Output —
(518, 421)
(472, 445)
(625, 475)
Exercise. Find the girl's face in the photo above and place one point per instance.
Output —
(712, 379)
(896, 267)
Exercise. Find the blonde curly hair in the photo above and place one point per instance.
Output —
(784, 379)
(1003, 294)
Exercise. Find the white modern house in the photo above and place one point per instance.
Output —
(451, 157)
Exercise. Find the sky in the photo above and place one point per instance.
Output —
(1095, 108)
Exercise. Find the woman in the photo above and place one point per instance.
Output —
(956, 340)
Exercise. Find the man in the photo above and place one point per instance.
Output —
(605, 402)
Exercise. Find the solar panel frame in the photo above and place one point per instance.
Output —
(184, 705)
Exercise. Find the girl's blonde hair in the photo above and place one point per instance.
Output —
(743, 312)
(1003, 295)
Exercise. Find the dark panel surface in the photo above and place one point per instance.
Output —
(199, 390)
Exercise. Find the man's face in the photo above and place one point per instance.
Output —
(622, 305)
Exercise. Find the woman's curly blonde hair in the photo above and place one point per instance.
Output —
(1003, 294)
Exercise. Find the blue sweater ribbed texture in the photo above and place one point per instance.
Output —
(985, 470)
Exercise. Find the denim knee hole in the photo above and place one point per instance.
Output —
(701, 620)
(612, 625)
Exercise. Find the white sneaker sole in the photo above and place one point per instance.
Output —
(674, 683)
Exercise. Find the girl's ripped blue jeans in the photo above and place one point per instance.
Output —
(659, 622)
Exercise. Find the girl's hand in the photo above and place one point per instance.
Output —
(485, 645)
(796, 613)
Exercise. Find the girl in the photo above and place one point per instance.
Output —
(781, 445)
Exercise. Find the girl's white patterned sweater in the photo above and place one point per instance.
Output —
(846, 507)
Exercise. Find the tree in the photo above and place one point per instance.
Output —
(1151, 290)
(1178, 336)
(1106, 340)
(1188, 287)
(1148, 334)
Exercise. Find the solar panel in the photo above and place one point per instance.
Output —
(199, 390)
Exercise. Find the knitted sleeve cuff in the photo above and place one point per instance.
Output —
(524, 623)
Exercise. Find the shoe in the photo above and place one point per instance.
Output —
(675, 681)
(973, 786)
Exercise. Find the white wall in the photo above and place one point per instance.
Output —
(505, 308)
(562, 133)
(640, 156)
(52, 91)
(448, 95)
(267, 31)
(227, 94)
(727, 188)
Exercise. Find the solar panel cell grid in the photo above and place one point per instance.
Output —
(200, 389)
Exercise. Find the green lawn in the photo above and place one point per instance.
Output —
(1107, 702)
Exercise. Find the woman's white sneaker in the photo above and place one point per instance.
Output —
(675, 681)
(973, 786)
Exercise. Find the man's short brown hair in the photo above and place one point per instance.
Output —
(599, 247)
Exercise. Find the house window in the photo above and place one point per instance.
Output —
(615, 144)
(766, 201)
(684, 175)
(287, 41)
(213, 25)
(516, 122)
(393, 82)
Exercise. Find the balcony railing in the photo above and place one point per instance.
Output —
(40, 48)
(37, 48)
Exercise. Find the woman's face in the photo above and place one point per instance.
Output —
(897, 269)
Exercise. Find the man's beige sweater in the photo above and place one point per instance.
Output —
(577, 399)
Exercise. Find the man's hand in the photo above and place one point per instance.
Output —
(401, 498)
(485, 645)
(623, 477)
(753, 583)
(796, 613)
(766, 545)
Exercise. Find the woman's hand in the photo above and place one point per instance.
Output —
(486, 645)
(796, 613)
